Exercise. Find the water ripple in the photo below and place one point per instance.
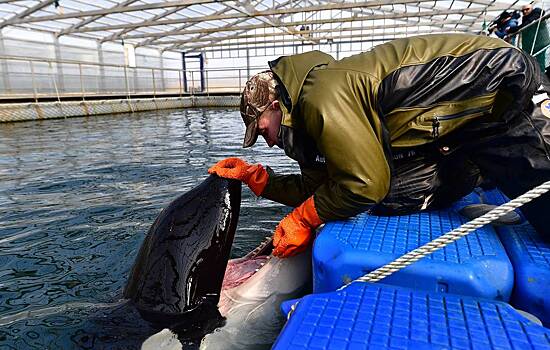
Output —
(78, 195)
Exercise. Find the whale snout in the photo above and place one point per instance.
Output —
(177, 276)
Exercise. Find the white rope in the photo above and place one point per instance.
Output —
(449, 237)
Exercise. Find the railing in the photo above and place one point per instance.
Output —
(35, 78)
(516, 37)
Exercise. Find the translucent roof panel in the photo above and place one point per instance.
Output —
(196, 25)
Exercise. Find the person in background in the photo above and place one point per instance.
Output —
(504, 24)
(535, 38)
(408, 126)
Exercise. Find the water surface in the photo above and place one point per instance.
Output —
(77, 197)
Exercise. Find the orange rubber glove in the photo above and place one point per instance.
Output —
(294, 232)
(255, 176)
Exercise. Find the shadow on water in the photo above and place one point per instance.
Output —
(76, 199)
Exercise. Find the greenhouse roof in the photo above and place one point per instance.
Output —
(198, 25)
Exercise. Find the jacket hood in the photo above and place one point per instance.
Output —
(292, 72)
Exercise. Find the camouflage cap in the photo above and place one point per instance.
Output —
(259, 92)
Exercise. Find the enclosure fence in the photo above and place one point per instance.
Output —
(32, 77)
(24, 77)
(538, 40)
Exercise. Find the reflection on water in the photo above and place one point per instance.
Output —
(77, 197)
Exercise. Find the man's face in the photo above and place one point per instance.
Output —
(269, 124)
(526, 10)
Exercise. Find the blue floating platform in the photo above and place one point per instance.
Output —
(377, 316)
(530, 256)
(494, 196)
(476, 265)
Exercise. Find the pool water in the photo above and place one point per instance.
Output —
(77, 197)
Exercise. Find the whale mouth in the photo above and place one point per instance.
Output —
(240, 270)
(264, 248)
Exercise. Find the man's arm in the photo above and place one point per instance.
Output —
(293, 189)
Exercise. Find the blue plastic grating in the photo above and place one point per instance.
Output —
(475, 265)
(400, 234)
(526, 240)
(494, 197)
(529, 243)
(377, 316)
(530, 256)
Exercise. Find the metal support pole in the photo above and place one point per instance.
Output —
(154, 83)
(181, 87)
(60, 77)
(33, 83)
(247, 67)
(126, 81)
(136, 80)
(206, 74)
(240, 83)
(162, 83)
(54, 83)
(102, 83)
(81, 81)
(128, 89)
(185, 89)
(201, 67)
(5, 68)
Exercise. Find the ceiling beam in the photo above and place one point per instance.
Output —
(292, 3)
(287, 28)
(510, 7)
(116, 9)
(286, 24)
(285, 45)
(267, 20)
(151, 39)
(334, 39)
(119, 35)
(333, 6)
(472, 11)
(28, 11)
(306, 32)
(92, 18)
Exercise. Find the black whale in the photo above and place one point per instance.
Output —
(178, 273)
(175, 282)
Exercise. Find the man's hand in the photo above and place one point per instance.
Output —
(294, 233)
(255, 176)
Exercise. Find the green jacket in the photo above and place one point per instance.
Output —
(342, 119)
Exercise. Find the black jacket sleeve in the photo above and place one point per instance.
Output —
(294, 189)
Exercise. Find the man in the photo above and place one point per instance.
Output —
(504, 24)
(535, 38)
(407, 126)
